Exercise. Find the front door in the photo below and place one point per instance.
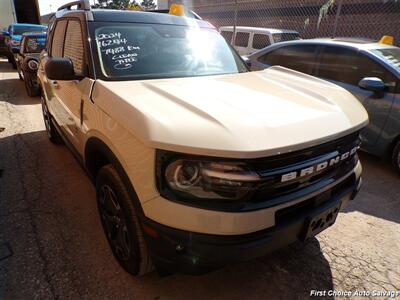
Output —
(346, 67)
(67, 96)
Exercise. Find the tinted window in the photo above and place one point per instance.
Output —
(260, 41)
(73, 47)
(282, 37)
(271, 58)
(21, 29)
(301, 58)
(34, 44)
(348, 66)
(58, 39)
(227, 35)
(391, 56)
(242, 39)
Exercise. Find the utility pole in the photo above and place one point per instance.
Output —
(339, 8)
(234, 23)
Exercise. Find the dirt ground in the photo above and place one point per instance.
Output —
(52, 244)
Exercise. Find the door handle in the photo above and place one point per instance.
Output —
(54, 83)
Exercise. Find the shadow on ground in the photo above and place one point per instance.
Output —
(380, 193)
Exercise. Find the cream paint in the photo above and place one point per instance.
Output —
(244, 115)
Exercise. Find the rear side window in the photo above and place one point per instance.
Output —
(260, 41)
(58, 39)
(227, 35)
(348, 66)
(73, 47)
(242, 39)
(301, 58)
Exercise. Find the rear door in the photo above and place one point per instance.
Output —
(346, 67)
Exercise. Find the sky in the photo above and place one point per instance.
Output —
(48, 6)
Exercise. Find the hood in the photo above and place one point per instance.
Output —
(243, 115)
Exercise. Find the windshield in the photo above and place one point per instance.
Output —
(390, 56)
(34, 44)
(19, 30)
(145, 51)
(282, 37)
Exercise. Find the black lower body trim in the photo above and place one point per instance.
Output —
(186, 252)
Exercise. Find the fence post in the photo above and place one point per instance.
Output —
(234, 23)
(339, 8)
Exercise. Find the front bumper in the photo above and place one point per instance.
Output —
(188, 252)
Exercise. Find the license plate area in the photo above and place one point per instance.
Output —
(316, 224)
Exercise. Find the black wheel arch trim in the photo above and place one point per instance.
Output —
(96, 144)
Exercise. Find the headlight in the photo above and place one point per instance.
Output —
(196, 179)
(33, 65)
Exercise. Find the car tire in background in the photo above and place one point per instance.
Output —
(31, 85)
(52, 132)
(396, 157)
(121, 223)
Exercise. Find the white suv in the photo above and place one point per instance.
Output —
(197, 162)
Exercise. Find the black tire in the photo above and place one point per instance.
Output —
(396, 157)
(19, 74)
(121, 223)
(31, 84)
(52, 132)
(12, 61)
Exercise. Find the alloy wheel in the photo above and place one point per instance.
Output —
(114, 222)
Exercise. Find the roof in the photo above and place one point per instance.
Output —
(27, 24)
(124, 16)
(35, 34)
(259, 29)
(356, 43)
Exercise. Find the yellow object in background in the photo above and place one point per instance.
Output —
(177, 10)
(387, 40)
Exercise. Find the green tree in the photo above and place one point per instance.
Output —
(114, 4)
(148, 4)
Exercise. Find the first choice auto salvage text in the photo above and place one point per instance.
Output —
(374, 293)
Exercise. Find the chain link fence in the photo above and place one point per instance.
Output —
(311, 18)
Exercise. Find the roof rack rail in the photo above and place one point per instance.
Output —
(81, 4)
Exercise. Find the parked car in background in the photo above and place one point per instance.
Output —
(251, 39)
(15, 32)
(198, 163)
(4, 36)
(368, 69)
(27, 60)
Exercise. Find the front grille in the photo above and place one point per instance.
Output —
(272, 170)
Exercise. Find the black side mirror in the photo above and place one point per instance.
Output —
(15, 50)
(58, 68)
(246, 61)
(372, 84)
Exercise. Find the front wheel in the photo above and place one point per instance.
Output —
(121, 223)
(396, 157)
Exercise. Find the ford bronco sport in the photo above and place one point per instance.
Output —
(197, 162)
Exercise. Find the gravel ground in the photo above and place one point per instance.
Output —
(52, 244)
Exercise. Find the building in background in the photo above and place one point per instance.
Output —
(19, 11)
(312, 18)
